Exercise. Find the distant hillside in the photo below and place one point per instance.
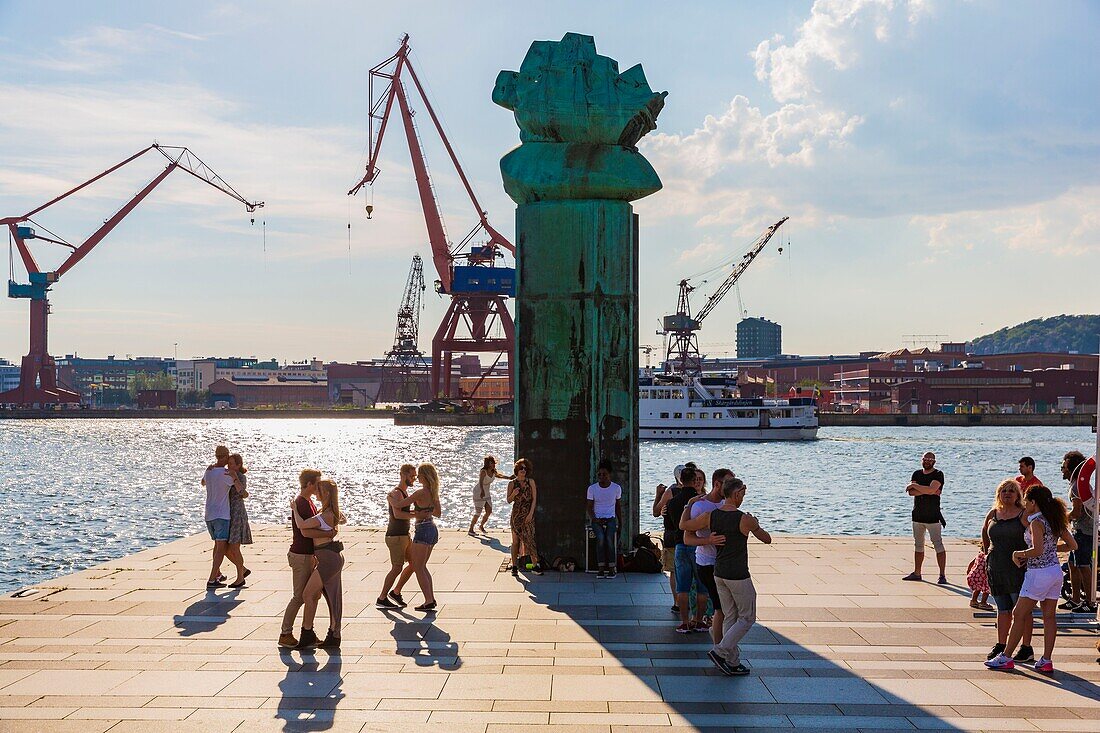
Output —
(1057, 333)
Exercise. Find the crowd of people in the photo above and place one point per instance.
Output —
(1017, 564)
(705, 547)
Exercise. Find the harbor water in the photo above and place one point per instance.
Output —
(81, 492)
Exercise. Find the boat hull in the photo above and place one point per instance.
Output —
(727, 433)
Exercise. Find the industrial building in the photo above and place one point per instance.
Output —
(199, 374)
(108, 381)
(269, 392)
(9, 375)
(367, 383)
(759, 338)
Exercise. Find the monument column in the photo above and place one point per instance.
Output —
(573, 177)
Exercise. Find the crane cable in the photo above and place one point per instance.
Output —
(349, 235)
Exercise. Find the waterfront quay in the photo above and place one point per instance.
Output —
(841, 643)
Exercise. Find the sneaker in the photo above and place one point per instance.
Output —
(912, 576)
(307, 640)
(720, 663)
(287, 640)
(739, 671)
(683, 629)
(676, 609)
(1086, 607)
(330, 642)
(942, 580)
(385, 603)
(610, 574)
(211, 584)
(600, 574)
(396, 598)
(1001, 662)
(1070, 606)
(996, 651)
(700, 628)
(1025, 654)
(1044, 665)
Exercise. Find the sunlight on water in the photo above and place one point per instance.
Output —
(86, 491)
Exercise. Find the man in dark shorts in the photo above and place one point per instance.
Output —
(705, 554)
(925, 487)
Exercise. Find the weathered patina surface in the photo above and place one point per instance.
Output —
(573, 177)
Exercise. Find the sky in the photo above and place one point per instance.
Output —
(939, 162)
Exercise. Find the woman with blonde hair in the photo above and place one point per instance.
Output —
(424, 502)
(327, 573)
(1003, 532)
(240, 533)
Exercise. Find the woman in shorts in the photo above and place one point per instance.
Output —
(483, 498)
(1003, 533)
(1048, 522)
(425, 504)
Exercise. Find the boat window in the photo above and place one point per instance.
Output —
(677, 394)
(717, 415)
(664, 414)
(704, 415)
(691, 416)
(677, 416)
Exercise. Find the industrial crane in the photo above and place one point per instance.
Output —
(683, 354)
(405, 360)
(468, 273)
(38, 373)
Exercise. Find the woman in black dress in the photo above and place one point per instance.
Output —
(1002, 534)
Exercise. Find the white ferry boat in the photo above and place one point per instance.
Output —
(703, 408)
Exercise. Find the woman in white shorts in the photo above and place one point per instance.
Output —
(483, 499)
(1048, 522)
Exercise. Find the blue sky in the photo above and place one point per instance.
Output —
(940, 163)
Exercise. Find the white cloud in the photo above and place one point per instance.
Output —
(105, 47)
(831, 35)
(1066, 226)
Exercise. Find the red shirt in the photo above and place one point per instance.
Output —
(1027, 483)
(302, 545)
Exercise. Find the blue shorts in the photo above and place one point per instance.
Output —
(218, 529)
(1005, 602)
(685, 568)
(1082, 556)
(426, 533)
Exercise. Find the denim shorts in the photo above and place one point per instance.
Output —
(218, 529)
(1005, 602)
(426, 533)
(1082, 556)
(685, 568)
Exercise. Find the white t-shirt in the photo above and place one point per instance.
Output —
(603, 499)
(704, 554)
(218, 481)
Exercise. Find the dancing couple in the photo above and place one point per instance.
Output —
(226, 484)
(409, 557)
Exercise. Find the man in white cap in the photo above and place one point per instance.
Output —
(668, 540)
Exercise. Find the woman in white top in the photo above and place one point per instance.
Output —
(483, 499)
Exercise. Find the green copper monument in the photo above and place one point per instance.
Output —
(573, 177)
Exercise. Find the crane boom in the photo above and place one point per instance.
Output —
(739, 270)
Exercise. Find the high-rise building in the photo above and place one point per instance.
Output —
(759, 338)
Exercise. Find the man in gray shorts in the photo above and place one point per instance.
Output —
(925, 487)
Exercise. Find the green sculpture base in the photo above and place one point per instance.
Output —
(577, 360)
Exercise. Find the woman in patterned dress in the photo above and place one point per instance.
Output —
(523, 496)
(239, 531)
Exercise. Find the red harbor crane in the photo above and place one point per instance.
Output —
(468, 271)
(683, 355)
(38, 373)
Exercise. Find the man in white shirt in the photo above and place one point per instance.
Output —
(705, 554)
(603, 506)
(217, 482)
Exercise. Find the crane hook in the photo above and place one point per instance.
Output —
(370, 210)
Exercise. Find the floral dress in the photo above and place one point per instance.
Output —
(239, 531)
(524, 529)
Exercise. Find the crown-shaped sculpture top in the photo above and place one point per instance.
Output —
(565, 92)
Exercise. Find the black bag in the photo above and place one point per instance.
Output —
(642, 560)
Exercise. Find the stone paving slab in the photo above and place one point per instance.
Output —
(138, 644)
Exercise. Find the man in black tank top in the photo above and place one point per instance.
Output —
(730, 529)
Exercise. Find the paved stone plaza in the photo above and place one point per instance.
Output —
(139, 645)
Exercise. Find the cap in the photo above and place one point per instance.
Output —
(676, 472)
(221, 450)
